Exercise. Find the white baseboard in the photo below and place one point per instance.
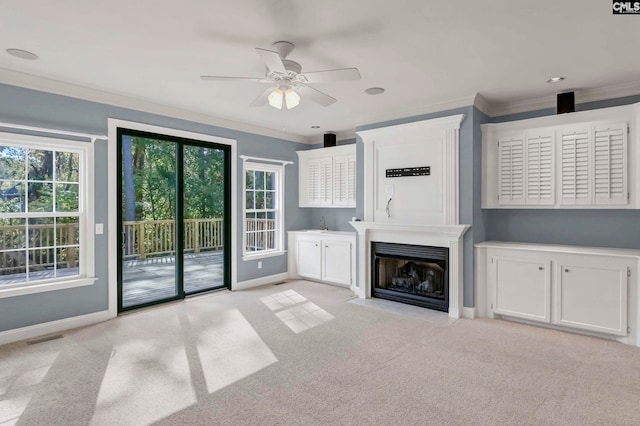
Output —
(36, 330)
(270, 279)
(469, 313)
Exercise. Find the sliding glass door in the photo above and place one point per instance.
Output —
(174, 208)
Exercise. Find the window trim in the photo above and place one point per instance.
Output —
(280, 170)
(86, 209)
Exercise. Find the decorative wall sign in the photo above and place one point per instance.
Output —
(409, 171)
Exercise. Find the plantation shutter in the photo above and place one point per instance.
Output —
(610, 164)
(539, 170)
(344, 174)
(511, 171)
(319, 181)
(574, 167)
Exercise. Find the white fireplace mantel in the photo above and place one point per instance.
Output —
(449, 236)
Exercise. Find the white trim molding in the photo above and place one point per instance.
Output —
(414, 139)
(112, 195)
(449, 236)
(32, 331)
(95, 95)
(269, 279)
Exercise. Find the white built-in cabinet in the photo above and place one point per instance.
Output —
(323, 256)
(579, 160)
(592, 289)
(327, 177)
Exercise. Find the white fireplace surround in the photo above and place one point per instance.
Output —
(449, 236)
(418, 210)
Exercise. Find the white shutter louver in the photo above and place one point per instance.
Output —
(344, 176)
(511, 171)
(539, 170)
(610, 164)
(351, 180)
(574, 167)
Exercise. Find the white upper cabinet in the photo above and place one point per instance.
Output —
(327, 177)
(575, 164)
(579, 160)
(610, 164)
(511, 170)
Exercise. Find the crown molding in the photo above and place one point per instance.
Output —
(29, 81)
(481, 103)
(495, 109)
(421, 110)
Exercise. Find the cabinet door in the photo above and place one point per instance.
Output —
(575, 166)
(344, 181)
(319, 178)
(336, 265)
(522, 288)
(592, 297)
(610, 164)
(511, 171)
(539, 168)
(308, 259)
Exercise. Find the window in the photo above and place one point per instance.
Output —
(263, 213)
(43, 214)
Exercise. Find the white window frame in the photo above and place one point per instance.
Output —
(279, 196)
(86, 199)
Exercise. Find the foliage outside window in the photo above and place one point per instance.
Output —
(263, 228)
(41, 212)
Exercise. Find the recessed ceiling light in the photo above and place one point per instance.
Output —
(315, 127)
(555, 79)
(22, 54)
(374, 90)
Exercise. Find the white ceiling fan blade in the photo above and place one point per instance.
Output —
(262, 98)
(222, 78)
(342, 74)
(316, 95)
(272, 60)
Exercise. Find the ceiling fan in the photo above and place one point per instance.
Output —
(287, 80)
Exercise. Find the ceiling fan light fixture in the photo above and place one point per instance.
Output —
(275, 98)
(291, 98)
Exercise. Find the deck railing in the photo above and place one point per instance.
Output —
(41, 242)
(149, 238)
(140, 239)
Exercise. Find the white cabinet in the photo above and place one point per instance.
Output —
(327, 177)
(308, 257)
(591, 297)
(336, 261)
(324, 256)
(579, 160)
(593, 289)
(522, 288)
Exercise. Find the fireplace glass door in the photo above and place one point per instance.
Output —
(411, 274)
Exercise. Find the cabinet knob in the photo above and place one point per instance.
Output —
(316, 244)
(326, 246)
(540, 268)
(566, 270)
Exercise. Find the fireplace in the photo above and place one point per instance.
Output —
(412, 274)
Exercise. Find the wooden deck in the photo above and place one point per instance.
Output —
(153, 279)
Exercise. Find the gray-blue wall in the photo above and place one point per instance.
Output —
(469, 167)
(35, 108)
(598, 228)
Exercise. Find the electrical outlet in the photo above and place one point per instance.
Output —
(388, 189)
(260, 265)
(99, 229)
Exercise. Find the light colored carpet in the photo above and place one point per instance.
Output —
(299, 353)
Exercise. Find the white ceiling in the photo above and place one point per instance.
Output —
(424, 53)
